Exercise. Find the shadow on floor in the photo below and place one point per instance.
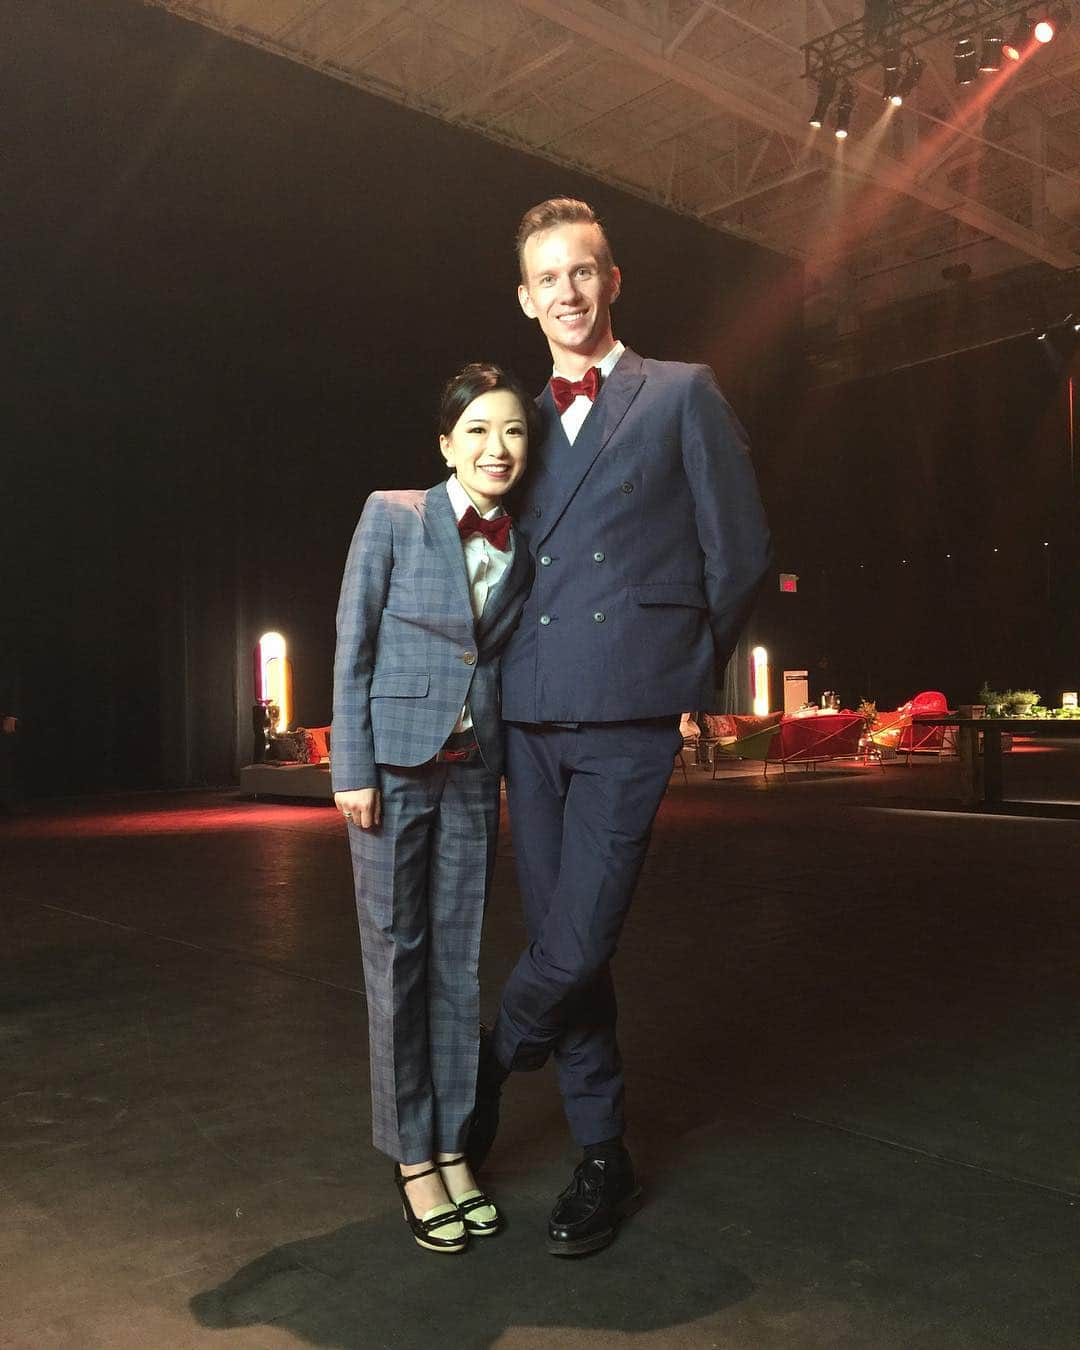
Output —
(339, 1290)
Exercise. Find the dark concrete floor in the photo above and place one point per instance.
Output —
(849, 1018)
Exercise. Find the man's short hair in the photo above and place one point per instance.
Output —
(560, 211)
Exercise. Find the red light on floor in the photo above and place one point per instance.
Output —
(1044, 31)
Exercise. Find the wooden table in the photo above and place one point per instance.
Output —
(979, 743)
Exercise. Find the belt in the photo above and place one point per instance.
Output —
(460, 748)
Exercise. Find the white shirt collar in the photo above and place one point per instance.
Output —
(461, 501)
(606, 366)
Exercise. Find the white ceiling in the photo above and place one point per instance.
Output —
(701, 106)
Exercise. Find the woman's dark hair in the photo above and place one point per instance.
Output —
(480, 377)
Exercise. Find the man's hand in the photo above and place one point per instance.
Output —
(9, 725)
(363, 807)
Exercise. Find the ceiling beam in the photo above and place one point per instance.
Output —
(758, 189)
(670, 48)
(488, 93)
(758, 107)
(745, 179)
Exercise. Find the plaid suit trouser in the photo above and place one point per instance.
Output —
(421, 883)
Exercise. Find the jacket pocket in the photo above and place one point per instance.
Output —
(670, 593)
(402, 684)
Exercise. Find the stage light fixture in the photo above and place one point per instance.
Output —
(909, 79)
(845, 105)
(826, 90)
(992, 44)
(1059, 343)
(1018, 39)
(965, 60)
(1048, 27)
(890, 77)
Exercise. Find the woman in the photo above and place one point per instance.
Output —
(433, 587)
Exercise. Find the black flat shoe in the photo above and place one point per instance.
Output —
(478, 1213)
(426, 1230)
(602, 1192)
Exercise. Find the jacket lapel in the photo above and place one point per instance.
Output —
(442, 526)
(617, 393)
(513, 581)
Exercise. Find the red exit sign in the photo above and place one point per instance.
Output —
(789, 582)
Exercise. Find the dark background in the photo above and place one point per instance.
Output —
(234, 288)
(931, 515)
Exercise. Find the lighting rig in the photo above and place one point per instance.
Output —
(889, 31)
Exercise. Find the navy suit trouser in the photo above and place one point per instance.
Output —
(582, 801)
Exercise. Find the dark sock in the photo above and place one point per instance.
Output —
(490, 1075)
(612, 1150)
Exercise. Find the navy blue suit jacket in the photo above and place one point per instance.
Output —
(650, 543)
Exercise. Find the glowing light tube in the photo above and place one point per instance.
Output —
(759, 681)
(273, 677)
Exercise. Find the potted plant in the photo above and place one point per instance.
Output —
(1018, 702)
(991, 700)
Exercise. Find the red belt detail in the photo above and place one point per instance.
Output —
(455, 756)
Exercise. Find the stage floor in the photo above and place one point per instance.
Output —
(849, 1017)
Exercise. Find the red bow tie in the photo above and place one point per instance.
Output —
(565, 391)
(496, 532)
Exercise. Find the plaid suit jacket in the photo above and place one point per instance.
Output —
(409, 652)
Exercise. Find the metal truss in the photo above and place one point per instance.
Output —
(860, 44)
(726, 140)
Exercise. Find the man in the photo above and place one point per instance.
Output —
(643, 515)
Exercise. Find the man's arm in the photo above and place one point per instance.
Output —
(728, 513)
(364, 590)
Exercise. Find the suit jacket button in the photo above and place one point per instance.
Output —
(545, 619)
(598, 557)
(599, 616)
(469, 658)
(627, 487)
(536, 512)
(545, 561)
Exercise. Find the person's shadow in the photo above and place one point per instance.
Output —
(367, 1284)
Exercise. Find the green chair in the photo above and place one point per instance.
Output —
(755, 745)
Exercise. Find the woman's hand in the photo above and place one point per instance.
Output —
(363, 806)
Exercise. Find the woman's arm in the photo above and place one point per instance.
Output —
(364, 590)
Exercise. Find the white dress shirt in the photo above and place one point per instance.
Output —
(485, 564)
(577, 412)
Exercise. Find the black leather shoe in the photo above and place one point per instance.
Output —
(484, 1125)
(602, 1192)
